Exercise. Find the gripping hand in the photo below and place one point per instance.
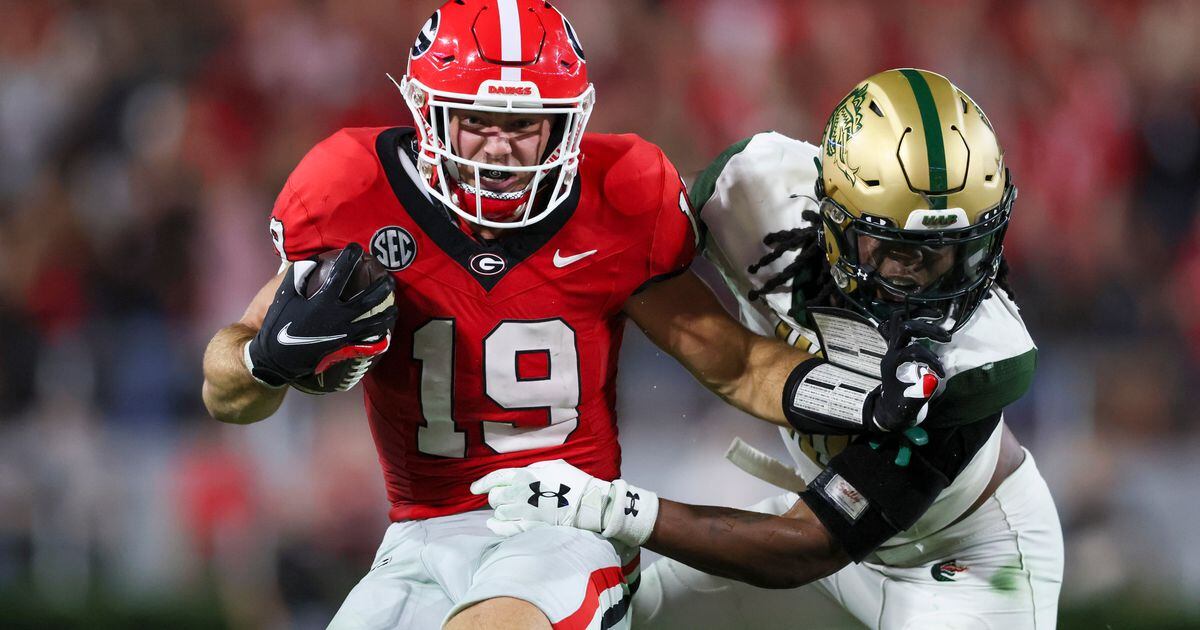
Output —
(557, 493)
(911, 374)
(302, 335)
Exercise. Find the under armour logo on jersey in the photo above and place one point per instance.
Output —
(631, 509)
(427, 35)
(538, 494)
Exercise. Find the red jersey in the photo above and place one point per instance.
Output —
(504, 352)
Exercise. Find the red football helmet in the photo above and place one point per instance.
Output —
(497, 56)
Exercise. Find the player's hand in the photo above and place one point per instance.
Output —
(911, 374)
(557, 493)
(300, 335)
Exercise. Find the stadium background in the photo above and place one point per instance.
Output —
(142, 144)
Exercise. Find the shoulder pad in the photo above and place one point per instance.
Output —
(332, 175)
(342, 165)
(630, 170)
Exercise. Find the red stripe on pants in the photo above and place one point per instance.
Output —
(599, 581)
(632, 565)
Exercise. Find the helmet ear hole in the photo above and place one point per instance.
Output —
(875, 108)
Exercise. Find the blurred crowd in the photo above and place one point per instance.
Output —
(142, 144)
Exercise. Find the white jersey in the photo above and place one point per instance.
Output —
(762, 185)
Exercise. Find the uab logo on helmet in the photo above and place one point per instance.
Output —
(939, 220)
(845, 121)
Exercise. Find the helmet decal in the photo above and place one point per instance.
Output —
(843, 124)
(571, 35)
(427, 35)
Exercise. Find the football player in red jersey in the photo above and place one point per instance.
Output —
(518, 245)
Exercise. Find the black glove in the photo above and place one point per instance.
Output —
(910, 372)
(301, 336)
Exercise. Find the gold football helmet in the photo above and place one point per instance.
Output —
(914, 198)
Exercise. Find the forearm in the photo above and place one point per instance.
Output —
(759, 390)
(230, 393)
(747, 370)
(760, 549)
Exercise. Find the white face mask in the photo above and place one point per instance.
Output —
(458, 182)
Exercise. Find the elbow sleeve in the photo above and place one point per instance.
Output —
(864, 498)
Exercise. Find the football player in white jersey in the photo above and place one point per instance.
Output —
(925, 514)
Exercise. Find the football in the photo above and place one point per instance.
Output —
(343, 375)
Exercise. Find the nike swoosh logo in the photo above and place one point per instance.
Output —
(561, 261)
(288, 340)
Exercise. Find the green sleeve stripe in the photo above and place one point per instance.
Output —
(983, 391)
(934, 146)
(706, 181)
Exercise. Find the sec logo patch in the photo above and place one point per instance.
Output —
(394, 247)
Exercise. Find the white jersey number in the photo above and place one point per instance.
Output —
(557, 392)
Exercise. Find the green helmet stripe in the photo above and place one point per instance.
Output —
(934, 144)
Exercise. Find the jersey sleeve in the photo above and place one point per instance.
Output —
(294, 230)
(990, 363)
(758, 186)
(676, 233)
(327, 180)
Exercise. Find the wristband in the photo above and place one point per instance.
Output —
(820, 397)
(249, 363)
(630, 514)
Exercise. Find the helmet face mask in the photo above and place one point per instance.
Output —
(938, 275)
(511, 57)
(914, 199)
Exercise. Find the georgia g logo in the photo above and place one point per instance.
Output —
(573, 37)
(427, 35)
(487, 264)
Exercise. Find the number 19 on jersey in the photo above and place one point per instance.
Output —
(557, 392)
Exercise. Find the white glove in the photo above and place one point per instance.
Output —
(557, 493)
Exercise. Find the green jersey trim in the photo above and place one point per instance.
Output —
(980, 392)
(706, 182)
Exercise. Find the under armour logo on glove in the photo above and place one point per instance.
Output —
(539, 494)
(586, 502)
